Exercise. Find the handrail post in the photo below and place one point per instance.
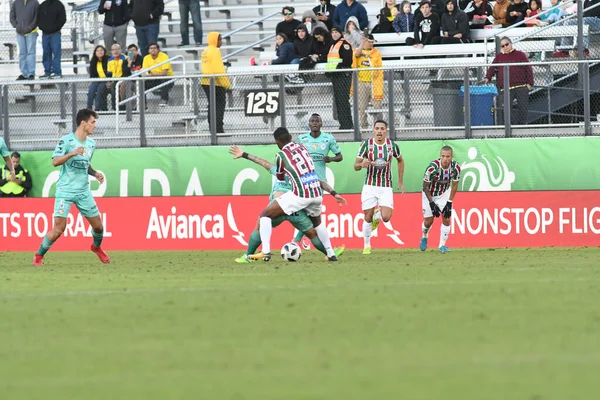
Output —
(142, 94)
(356, 117)
(74, 106)
(5, 112)
(62, 88)
(507, 103)
(586, 99)
(467, 105)
(391, 115)
(212, 111)
(282, 100)
(128, 106)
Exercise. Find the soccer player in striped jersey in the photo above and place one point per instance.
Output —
(319, 145)
(376, 156)
(439, 187)
(299, 219)
(294, 161)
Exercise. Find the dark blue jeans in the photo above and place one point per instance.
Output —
(185, 8)
(51, 53)
(145, 35)
(97, 93)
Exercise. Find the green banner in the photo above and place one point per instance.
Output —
(487, 165)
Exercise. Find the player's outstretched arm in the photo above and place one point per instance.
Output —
(325, 186)
(239, 153)
(401, 174)
(98, 175)
(60, 160)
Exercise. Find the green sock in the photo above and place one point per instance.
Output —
(45, 246)
(97, 237)
(318, 245)
(298, 236)
(254, 243)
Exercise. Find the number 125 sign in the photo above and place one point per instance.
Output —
(261, 102)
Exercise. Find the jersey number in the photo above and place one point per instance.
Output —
(301, 166)
(260, 102)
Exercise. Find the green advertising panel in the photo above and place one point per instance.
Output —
(487, 165)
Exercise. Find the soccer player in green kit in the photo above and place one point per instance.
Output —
(6, 155)
(74, 153)
(300, 220)
(319, 145)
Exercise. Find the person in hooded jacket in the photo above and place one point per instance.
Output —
(284, 50)
(324, 12)
(353, 33)
(310, 21)
(51, 17)
(386, 17)
(340, 57)
(427, 27)
(303, 44)
(455, 25)
(320, 45)
(516, 12)
(116, 19)
(212, 63)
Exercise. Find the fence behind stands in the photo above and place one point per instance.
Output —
(417, 101)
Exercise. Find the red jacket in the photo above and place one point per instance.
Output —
(518, 75)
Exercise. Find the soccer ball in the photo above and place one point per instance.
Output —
(291, 252)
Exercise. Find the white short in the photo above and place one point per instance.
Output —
(290, 203)
(439, 200)
(372, 196)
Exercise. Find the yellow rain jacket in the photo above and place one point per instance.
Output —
(212, 62)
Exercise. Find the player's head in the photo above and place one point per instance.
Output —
(16, 159)
(380, 130)
(315, 123)
(282, 137)
(86, 120)
(446, 156)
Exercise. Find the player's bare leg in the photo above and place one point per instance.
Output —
(368, 229)
(427, 222)
(272, 211)
(444, 233)
(98, 235)
(57, 230)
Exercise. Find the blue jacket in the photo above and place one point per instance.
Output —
(343, 12)
(404, 22)
(285, 53)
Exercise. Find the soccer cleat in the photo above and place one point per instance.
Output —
(244, 260)
(423, 245)
(332, 258)
(367, 251)
(338, 252)
(256, 256)
(267, 257)
(305, 244)
(444, 249)
(38, 260)
(101, 254)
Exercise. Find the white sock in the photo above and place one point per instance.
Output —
(367, 230)
(265, 234)
(444, 233)
(377, 215)
(324, 238)
(425, 230)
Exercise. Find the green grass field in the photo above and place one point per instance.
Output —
(472, 324)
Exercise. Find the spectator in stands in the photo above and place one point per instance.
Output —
(116, 18)
(324, 12)
(590, 18)
(499, 12)
(427, 27)
(516, 12)
(352, 32)
(321, 44)
(284, 50)
(437, 7)
(555, 14)
(51, 17)
(20, 184)
(303, 44)
(520, 79)
(370, 83)
(535, 7)
(134, 59)
(98, 69)
(455, 25)
(118, 67)
(478, 15)
(155, 57)
(23, 17)
(310, 21)
(350, 8)
(404, 21)
(187, 7)
(212, 63)
(386, 17)
(146, 17)
(340, 57)
(289, 23)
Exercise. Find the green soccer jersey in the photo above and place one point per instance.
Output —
(73, 178)
(318, 148)
(439, 177)
(279, 186)
(3, 149)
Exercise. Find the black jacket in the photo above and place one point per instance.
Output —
(140, 11)
(94, 70)
(426, 28)
(51, 16)
(592, 13)
(321, 48)
(385, 25)
(117, 15)
(303, 48)
(328, 10)
(522, 8)
(346, 54)
(26, 184)
(289, 28)
(455, 23)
